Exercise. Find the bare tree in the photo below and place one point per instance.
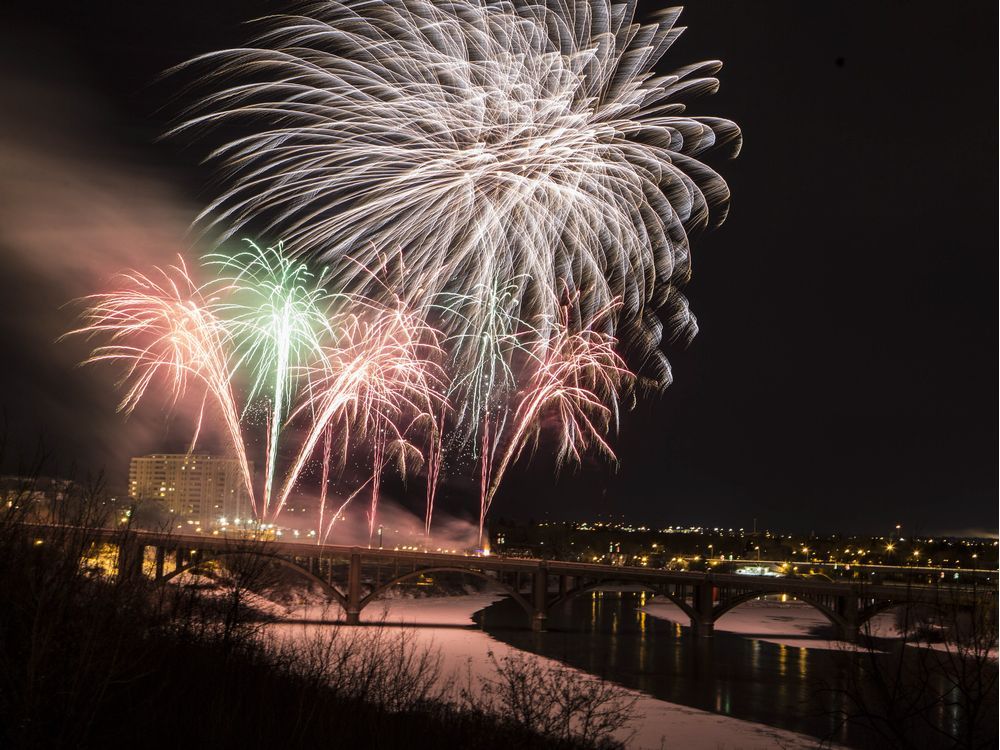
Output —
(552, 700)
(935, 686)
(378, 664)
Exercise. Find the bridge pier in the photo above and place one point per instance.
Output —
(847, 608)
(161, 556)
(130, 554)
(702, 629)
(539, 591)
(703, 624)
(563, 585)
(354, 588)
(848, 632)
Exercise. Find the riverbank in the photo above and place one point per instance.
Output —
(446, 623)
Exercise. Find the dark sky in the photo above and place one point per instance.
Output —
(845, 372)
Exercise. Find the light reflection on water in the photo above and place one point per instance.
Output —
(605, 633)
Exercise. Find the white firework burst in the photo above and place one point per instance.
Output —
(489, 143)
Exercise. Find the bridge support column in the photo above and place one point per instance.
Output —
(703, 626)
(161, 556)
(354, 590)
(539, 591)
(130, 554)
(848, 632)
(703, 629)
(847, 608)
(563, 585)
(178, 558)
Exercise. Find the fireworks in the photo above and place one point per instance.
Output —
(356, 369)
(535, 178)
(576, 378)
(488, 336)
(161, 326)
(377, 380)
(277, 320)
(495, 143)
(367, 370)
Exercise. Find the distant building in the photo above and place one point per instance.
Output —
(41, 495)
(198, 488)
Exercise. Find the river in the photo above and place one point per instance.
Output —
(744, 675)
(771, 684)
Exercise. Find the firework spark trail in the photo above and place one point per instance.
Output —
(162, 326)
(489, 140)
(434, 455)
(381, 369)
(488, 336)
(276, 312)
(198, 423)
(486, 455)
(575, 376)
(340, 510)
(325, 479)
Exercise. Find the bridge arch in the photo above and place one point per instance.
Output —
(732, 602)
(327, 588)
(381, 589)
(877, 607)
(596, 586)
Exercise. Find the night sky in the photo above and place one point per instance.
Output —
(845, 371)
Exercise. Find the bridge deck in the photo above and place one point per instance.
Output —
(623, 574)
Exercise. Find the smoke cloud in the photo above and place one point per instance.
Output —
(74, 211)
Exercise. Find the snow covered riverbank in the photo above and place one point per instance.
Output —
(446, 624)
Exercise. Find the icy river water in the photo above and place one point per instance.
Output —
(768, 679)
(781, 681)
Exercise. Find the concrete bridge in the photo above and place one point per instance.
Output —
(355, 577)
